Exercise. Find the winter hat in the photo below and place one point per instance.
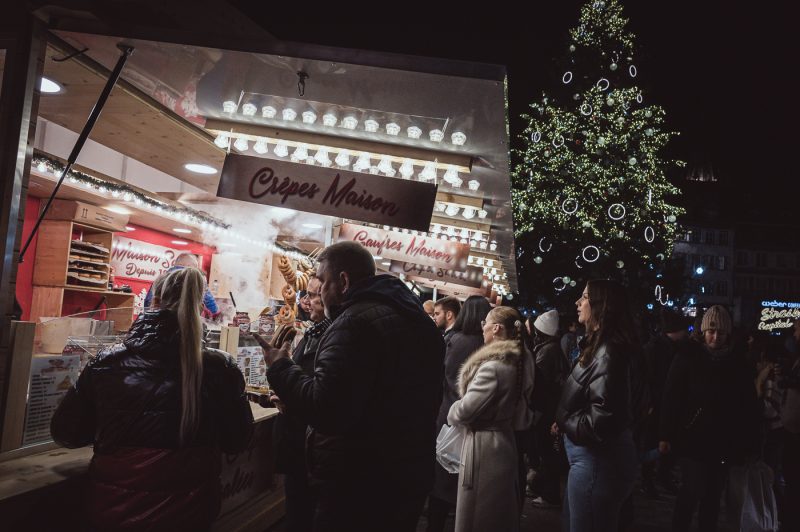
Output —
(717, 318)
(547, 323)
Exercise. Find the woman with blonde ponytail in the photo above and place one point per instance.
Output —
(495, 384)
(160, 409)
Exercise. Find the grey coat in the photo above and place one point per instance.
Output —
(491, 408)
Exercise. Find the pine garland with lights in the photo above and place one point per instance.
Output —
(590, 194)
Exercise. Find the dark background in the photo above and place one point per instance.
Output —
(724, 73)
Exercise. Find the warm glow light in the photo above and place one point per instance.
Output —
(182, 230)
(117, 209)
(201, 168)
(128, 228)
(180, 243)
(313, 226)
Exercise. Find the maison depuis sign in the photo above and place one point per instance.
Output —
(366, 197)
(408, 248)
(471, 276)
(778, 315)
(133, 259)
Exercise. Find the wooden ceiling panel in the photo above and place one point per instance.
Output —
(128, 124)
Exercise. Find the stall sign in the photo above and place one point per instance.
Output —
(134, 259)
(405, 247)
(778, 315)
(334, 192)
(470, 276)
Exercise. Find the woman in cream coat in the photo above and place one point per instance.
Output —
(495, 385)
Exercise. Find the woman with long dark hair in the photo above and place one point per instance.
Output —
(467, 338)
(596, 412)
(159, 409)
(494, 383)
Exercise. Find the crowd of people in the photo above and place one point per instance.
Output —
(569, 412)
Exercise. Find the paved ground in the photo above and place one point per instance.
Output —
(651, 516)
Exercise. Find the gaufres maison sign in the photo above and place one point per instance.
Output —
(365, 197)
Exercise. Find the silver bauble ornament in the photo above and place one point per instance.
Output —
(613, 67)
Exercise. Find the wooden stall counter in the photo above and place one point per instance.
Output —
(44, 490)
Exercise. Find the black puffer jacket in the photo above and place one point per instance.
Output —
(127, 402)
(376, 389)
(709, 410)
(595, 401)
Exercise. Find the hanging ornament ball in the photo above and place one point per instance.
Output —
(613, 66)
(671, 218)
(547, 153)
(660, 256)
(649, 132)
(601, 141)
(610, 101)
(573, 284)
(632, 161)
(571, 47)
(566, 279)
(620, 120)
(586, 224)
(576, 96)
(620, 264)
(621, 234)
(648, 113)
(537, 260)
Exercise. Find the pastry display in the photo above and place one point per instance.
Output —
(286, 269)
(302, 281)
(289, 295)
(305, 265)
(284, 333)
(286, 315)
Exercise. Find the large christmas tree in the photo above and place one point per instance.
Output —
(590, 194)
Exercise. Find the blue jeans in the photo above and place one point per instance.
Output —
(600, 478)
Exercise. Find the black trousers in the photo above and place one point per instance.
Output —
(701, 485)
(299, 503)
(547, 481)
(791, 475)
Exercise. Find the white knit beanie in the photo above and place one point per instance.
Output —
(547, 323)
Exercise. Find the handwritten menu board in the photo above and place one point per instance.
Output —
(51, 377)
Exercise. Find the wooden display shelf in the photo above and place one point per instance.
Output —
(48, 301)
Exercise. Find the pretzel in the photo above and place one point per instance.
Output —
(305, 265)
(288, 294)
(285, 333)
(302, 281)
(286, 315)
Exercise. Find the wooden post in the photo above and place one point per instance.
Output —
(22, 333)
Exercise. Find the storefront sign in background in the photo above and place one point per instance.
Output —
(778, 315)
(143, 261)
(330, 191)
(471, 276)
(404, 247)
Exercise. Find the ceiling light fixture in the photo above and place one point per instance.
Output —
(268, 111)
(289, 114)
(201, 168)
(260, 146)
(48, 86)
(182, 230)
(180, 243)
(249, 109)
(309, 117)
(128, 228)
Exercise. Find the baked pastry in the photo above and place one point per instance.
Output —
(286, 315)
(288, 294)
(285, 333)
(305, 265)
(286, 269)
(302, 281)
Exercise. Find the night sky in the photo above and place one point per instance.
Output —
(724, 73)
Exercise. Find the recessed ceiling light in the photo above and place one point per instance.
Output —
(312, 226)
(200, 168)
(118, 210)
(377, 257)
(386, 263)
(226, 244)
(48, 86)
(182, 230)
(128, 228)
(180, 243)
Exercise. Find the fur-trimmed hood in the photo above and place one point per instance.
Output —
(506, 351)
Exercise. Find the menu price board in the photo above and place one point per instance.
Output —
(51, 378)
(250, 360)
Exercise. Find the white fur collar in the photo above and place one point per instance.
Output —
(502, 350)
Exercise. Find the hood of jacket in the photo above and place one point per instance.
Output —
(155, 331)
(387, 290)
(506, 351)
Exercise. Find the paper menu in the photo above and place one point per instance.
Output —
(251, 361)
(51, 378)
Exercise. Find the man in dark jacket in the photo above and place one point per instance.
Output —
(289, 432)
(372, 400)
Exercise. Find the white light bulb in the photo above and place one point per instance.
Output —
(223, 141)
(451, 231)
(414, 132)
(479, 262)
(371, 125)
(249, 109)
(362, 163)
(343, 158)
(240, 144)
(260, 146)
(407, 169)
(309, 117)
(468, 213)
(385, 165)
(349, 122)
(229, 106)
(428, 173)
(300, 153)
(322, 157)
(483, 245)
(435, 228)
(329, 119)
(436, 135)
(473, 243)
(392, 128)
(440, 206)
(281, 150)
(451, 210)
(41, 167)
(464, 231)
(289, 114)
(474, 184)
(458, 138)
(268, 111)
(464, 241)
(482, 213)
(373, 170)
(451, 174)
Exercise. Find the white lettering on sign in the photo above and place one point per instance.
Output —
(777, 316)
(133, 259)
(471, 276)
(408, 248)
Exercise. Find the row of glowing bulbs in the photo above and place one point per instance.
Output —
(363, 160)
(180, 216)
(463, 236)
(348, 122)
(453, 210)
